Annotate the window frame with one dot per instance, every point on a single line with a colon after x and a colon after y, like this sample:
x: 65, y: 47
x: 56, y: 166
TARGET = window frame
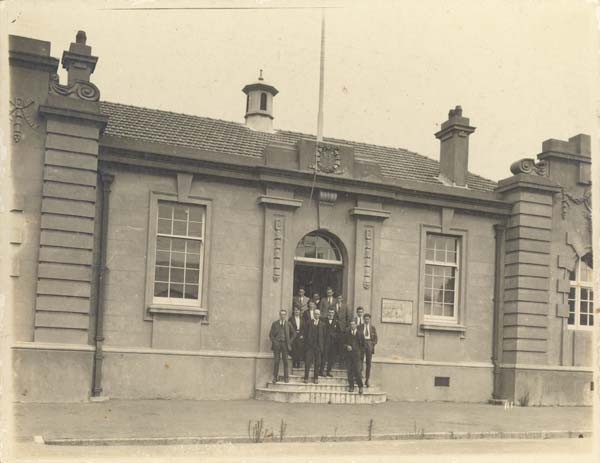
x: 436, y: 322
x: 263, y: 99
x: 316, y: 260
x: 168, y: 305
x: 578, y: 285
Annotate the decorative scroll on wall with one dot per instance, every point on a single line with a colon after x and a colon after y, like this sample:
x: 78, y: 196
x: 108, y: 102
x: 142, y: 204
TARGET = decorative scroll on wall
x: 368, y: 258
x: 277, y: 248
x: 21, y: 111
x: 529, y: 166
x: 80, y: 89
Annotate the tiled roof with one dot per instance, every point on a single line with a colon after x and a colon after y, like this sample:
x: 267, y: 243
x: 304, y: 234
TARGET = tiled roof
x: 235, y: 138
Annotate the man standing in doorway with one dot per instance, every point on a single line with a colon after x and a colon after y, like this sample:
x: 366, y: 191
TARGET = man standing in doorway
x: 314, y: 344
x: 327, y: 301
x: 281, y: 336
x: 301, y: 300
x: 309, y: 314
x: 370, y: 336
x: 354, y: 343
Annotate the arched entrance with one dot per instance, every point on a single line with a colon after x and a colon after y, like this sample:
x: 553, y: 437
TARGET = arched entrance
x: 318, y: 263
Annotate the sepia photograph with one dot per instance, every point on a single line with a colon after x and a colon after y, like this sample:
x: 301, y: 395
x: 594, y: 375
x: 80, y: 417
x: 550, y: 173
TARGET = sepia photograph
x: 299, y: 231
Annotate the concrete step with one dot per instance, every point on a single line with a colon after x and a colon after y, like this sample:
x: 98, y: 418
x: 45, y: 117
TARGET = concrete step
x: 294, y: 395
x: 299, y: 378
x: 336, y: 372
x: 311, y: 387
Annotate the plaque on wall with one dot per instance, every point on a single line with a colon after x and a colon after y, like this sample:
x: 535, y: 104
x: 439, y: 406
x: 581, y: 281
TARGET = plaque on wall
x: 396, y: 311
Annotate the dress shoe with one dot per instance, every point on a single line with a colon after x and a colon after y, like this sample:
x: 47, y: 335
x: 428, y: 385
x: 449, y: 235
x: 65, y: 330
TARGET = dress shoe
x: 367, y: 383
x: 329, y: 374
x: 316, y: 381
x: 274, y: 380
x: 351, y: 389
x: 321, y: 373
x: 305, y: 380
x: 360, y: 390
x: 286, y: 380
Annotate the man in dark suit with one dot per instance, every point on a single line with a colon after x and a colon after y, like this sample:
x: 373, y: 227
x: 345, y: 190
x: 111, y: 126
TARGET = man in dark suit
x: 301, y: 300
x: 327, y: 301
x: 297, y: 324
x: 281, y: 336
x: 332, y: 335
x: 316, y: 299
x: 370, y: 335
x: 354, y: 343
x: 309, y: 314
x: 314, y: 346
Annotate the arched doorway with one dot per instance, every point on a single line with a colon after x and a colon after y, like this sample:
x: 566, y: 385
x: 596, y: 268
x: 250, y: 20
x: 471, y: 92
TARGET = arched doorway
x: 318, y: 263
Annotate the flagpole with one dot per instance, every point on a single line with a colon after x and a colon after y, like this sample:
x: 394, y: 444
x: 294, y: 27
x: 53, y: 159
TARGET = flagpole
x: 321, y: 80
x: 320, y: 108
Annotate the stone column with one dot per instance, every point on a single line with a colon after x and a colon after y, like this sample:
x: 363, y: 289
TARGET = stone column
x: 73, y: 126
x: 526, y: 283
x: 368, y: 215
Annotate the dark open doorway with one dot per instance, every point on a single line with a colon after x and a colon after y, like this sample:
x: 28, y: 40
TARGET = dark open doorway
x: 319, y: 263
x: 316, y: 278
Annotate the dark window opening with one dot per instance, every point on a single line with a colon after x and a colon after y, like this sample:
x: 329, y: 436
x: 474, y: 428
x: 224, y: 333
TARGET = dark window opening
x: 263, y: 101
x: 441, y: 381
x: 247, y: 102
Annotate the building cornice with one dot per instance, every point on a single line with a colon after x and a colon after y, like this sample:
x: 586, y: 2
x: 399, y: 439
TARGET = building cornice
x: 129, y: 152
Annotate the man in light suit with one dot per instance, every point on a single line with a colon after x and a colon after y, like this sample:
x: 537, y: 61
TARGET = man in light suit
x: 301, y: 300
x: 327, y: 302
x: 281, y: 336
x: 370, y: 336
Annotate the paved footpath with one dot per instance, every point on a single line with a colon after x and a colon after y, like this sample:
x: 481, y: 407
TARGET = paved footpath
x: 147, y: 419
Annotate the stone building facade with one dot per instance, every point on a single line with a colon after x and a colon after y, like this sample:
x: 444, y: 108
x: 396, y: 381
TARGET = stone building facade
x: 152, y: 250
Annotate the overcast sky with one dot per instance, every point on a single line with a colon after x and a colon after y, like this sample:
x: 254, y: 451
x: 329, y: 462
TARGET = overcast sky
x: 523, y: 71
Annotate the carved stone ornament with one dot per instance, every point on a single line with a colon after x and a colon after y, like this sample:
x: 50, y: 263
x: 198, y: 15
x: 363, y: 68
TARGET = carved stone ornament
x: 368, y: 258
x: 21, y: 110
x: 79, y: 89
x: 329, y: 160
x: 277, y: 246
x: 568, y: 199
x: 529, y: 166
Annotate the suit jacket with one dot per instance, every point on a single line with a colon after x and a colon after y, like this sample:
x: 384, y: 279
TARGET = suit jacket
x: 373, y: 333
x: 342, y: 315
x: 314, y: 336
x: 357, y: 342
x: 324, y: 305
x: 306, y: 316
x: 287, y: 330
x: 358, y: 324
x: 332, y: 331
x: 297, y: 303
x: 292, y: 321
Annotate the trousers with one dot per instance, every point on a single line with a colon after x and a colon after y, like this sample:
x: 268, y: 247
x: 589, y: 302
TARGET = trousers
x: 280, y: 351
x: 312, y: 355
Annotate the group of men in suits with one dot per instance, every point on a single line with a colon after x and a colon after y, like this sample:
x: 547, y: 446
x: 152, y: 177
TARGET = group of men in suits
x: 322, y: 332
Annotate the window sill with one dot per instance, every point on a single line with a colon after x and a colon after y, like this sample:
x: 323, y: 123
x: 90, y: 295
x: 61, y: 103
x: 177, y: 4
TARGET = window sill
x: 177, y: 310
x: 443, y: 327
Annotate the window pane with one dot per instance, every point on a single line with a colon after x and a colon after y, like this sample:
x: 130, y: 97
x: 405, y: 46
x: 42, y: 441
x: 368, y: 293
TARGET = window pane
x: 196, y: 214
x: 195, y: 229
x: 430, y: 255
x: 164, y: 226
x: 161, y: 290
x: 437, y: 309
x: 191, y: 291
x: 318, y: 247
x: 583, y: 319
x: 163, y: 243
x: 177, y: 259
x: 180, y: 213
x: 179, y: 227
x: 591, y: 320
x: 451, y: 257
x: 191, y: 276
x: 448, y: 310
x: 571, y: 320
x: 176, y: 291
x: 177, y: 244
x: 449, y: 297
x: 162, y: 258
x: 427, y: 308
x: 440, y: 255
x: 165, y: 211
x: 193, y: 247
x: 176, y: 275
x: 161, y: 273
x: 193, y: 261
x: 572, y: 276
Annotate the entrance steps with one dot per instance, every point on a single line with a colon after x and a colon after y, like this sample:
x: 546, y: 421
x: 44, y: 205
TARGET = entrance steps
x: 329, y: 390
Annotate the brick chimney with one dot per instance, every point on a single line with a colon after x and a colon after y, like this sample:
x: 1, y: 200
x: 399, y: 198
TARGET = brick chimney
x: 454, y: 148
x: 259, y: 105
x: 78, y: 61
